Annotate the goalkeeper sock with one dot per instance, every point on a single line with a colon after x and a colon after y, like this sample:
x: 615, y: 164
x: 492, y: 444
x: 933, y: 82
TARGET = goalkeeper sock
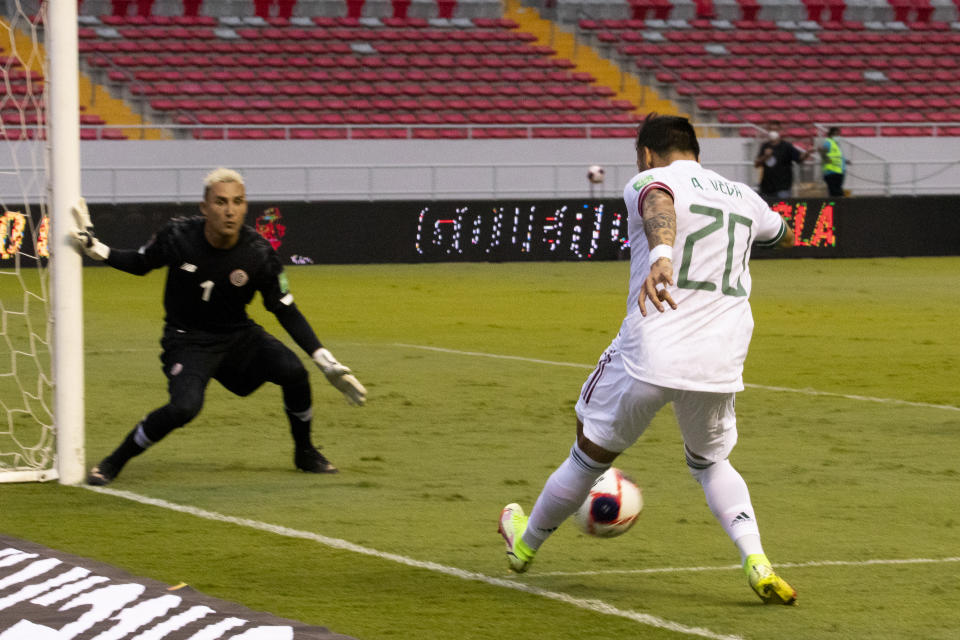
x: 300, y: 427
x: 297, y: 405
x: 134, y: 444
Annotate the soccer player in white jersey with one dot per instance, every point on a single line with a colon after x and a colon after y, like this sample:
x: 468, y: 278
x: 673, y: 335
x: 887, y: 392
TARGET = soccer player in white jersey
x: 684, y: 340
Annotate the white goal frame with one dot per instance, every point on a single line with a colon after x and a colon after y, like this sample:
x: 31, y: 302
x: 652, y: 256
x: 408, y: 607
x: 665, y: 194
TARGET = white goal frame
x: 61, y: 191
x: 66, y: 263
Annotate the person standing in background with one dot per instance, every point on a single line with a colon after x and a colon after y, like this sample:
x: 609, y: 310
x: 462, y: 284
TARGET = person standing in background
x: 834, y: 163
x: 776, y: 159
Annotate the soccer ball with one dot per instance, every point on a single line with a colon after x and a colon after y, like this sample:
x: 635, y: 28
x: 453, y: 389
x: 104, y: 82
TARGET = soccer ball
x: 595, y: 173
x: 612, y: 507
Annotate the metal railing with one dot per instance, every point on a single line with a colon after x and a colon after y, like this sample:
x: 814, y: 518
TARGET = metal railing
x: 483, y: 180
x: 133, y: 178
x: 398, y: 131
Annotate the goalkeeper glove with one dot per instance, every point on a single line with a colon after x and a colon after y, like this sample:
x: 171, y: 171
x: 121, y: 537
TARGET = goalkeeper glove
x: 340, y: 377
x: 84, y: 235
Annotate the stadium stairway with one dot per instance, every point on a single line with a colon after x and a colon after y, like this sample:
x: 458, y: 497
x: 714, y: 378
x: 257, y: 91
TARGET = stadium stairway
x: 97, y: 106
x: 586, y: 59
x: 96, y: 103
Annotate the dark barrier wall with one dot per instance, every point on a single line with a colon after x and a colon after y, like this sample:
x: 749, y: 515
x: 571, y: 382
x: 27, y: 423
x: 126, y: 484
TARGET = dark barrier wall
x: 485, y: 230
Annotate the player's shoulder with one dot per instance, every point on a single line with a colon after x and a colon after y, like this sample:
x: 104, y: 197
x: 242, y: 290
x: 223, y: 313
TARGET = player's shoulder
x: 249, y: 237
x: 644, y: 179
x: 181, y: 229
x: 183, y: 224
x: 256, y: 244
x: 740, y: 190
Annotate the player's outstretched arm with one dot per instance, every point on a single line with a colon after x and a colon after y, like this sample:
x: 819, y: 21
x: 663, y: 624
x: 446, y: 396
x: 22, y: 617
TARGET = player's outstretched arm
x: 787, y: 240
x: 340, y: 377
x: 660, y: 227
x: 131, y: 261
x: 84, y: 235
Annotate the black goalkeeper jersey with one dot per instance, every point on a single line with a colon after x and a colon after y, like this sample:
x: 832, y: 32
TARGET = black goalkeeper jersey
x: 208, y: 289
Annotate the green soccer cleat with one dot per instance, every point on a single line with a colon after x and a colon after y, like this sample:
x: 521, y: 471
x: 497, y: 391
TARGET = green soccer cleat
x: 513, y: 522
x: 771, y: 588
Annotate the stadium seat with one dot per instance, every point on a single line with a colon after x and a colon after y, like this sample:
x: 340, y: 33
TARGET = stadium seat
x: 749, y: 10
x: 112, y: 134
x: 912, y: 11
x: 656, y: 9
x: 431, y: 73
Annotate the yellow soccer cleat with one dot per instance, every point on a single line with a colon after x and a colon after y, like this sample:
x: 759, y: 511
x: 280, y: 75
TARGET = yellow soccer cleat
x: 513, y: 522
x: 771, y: 588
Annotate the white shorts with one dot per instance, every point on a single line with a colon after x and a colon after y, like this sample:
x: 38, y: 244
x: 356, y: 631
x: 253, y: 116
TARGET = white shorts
x: 616, y: 408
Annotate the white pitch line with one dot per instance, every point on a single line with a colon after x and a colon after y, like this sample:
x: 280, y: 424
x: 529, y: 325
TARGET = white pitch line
x: 481, y: 354
x: 597, y: 606
x: 814, y: 563
x: 806, y: 392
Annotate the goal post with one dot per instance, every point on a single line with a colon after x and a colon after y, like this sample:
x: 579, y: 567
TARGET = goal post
x: 66, y: 263
x: 41, y: 299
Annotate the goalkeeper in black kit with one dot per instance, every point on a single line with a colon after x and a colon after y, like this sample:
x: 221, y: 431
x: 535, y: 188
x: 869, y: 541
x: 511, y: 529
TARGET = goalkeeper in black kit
x: 215, y: 263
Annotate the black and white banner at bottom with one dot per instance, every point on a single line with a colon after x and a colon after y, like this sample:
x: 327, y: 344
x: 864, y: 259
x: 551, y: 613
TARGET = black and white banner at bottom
x: 49, y: 595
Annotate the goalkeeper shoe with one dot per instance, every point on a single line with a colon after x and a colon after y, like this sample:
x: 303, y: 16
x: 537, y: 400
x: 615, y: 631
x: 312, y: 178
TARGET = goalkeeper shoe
x: 771, y: 588
x: 102, y: 474
x: 312, y: 461
x: 513, y: 522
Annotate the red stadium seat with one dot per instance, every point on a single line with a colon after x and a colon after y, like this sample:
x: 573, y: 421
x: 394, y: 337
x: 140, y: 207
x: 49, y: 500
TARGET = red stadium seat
x: 912, y: 11
x: 749, y: 10
x: 642, y: 9
x: 493, y: 73
x: 445, y: 8
x: 112, y: 134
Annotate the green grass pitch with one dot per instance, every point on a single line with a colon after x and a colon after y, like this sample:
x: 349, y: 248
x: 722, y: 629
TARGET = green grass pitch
x: 853, y: 471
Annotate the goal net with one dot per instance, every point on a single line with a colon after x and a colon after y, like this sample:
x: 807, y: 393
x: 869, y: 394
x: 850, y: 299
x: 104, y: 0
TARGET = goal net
x: 39, y: 316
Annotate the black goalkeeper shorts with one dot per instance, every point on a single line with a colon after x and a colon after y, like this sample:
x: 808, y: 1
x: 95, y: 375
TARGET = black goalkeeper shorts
x: 241, y: 361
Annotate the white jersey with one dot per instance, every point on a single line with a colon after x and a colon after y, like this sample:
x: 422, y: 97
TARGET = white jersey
x: 700, y: 346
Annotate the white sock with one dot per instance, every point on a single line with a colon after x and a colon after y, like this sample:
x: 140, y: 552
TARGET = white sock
x: 729, y: 500
x: 562, y: 495
x: 749, y: 545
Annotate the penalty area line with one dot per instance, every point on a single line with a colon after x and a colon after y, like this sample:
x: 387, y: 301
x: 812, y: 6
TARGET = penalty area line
x: 762, y: 387
x: 596, y: 606
x: 788, y: 565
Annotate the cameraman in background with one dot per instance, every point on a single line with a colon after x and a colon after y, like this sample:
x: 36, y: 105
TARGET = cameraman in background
x: 776, y: 159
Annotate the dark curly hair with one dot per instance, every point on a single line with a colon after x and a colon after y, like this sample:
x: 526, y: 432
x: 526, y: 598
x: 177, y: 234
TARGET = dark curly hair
x: 663, y: 134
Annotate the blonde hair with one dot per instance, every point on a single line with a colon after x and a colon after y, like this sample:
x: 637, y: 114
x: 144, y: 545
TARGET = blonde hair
x: 219, y: 175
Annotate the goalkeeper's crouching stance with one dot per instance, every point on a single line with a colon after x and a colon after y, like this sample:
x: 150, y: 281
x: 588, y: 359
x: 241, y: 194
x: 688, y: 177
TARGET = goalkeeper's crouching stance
x: 215, y: 264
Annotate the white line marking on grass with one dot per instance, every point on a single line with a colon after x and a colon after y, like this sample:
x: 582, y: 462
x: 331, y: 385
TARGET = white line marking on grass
x: 806, y: 392
x: 481, y: 354
x: 597, y: 606
x: 814, y: 563
x: 850, y: 396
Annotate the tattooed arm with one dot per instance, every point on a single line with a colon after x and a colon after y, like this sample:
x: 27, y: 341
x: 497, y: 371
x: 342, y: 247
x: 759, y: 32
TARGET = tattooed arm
x: 660, y: 227
x: 659, y: 218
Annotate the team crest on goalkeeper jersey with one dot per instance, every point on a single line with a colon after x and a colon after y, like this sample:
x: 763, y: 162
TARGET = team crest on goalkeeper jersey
x: 239, y: 277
